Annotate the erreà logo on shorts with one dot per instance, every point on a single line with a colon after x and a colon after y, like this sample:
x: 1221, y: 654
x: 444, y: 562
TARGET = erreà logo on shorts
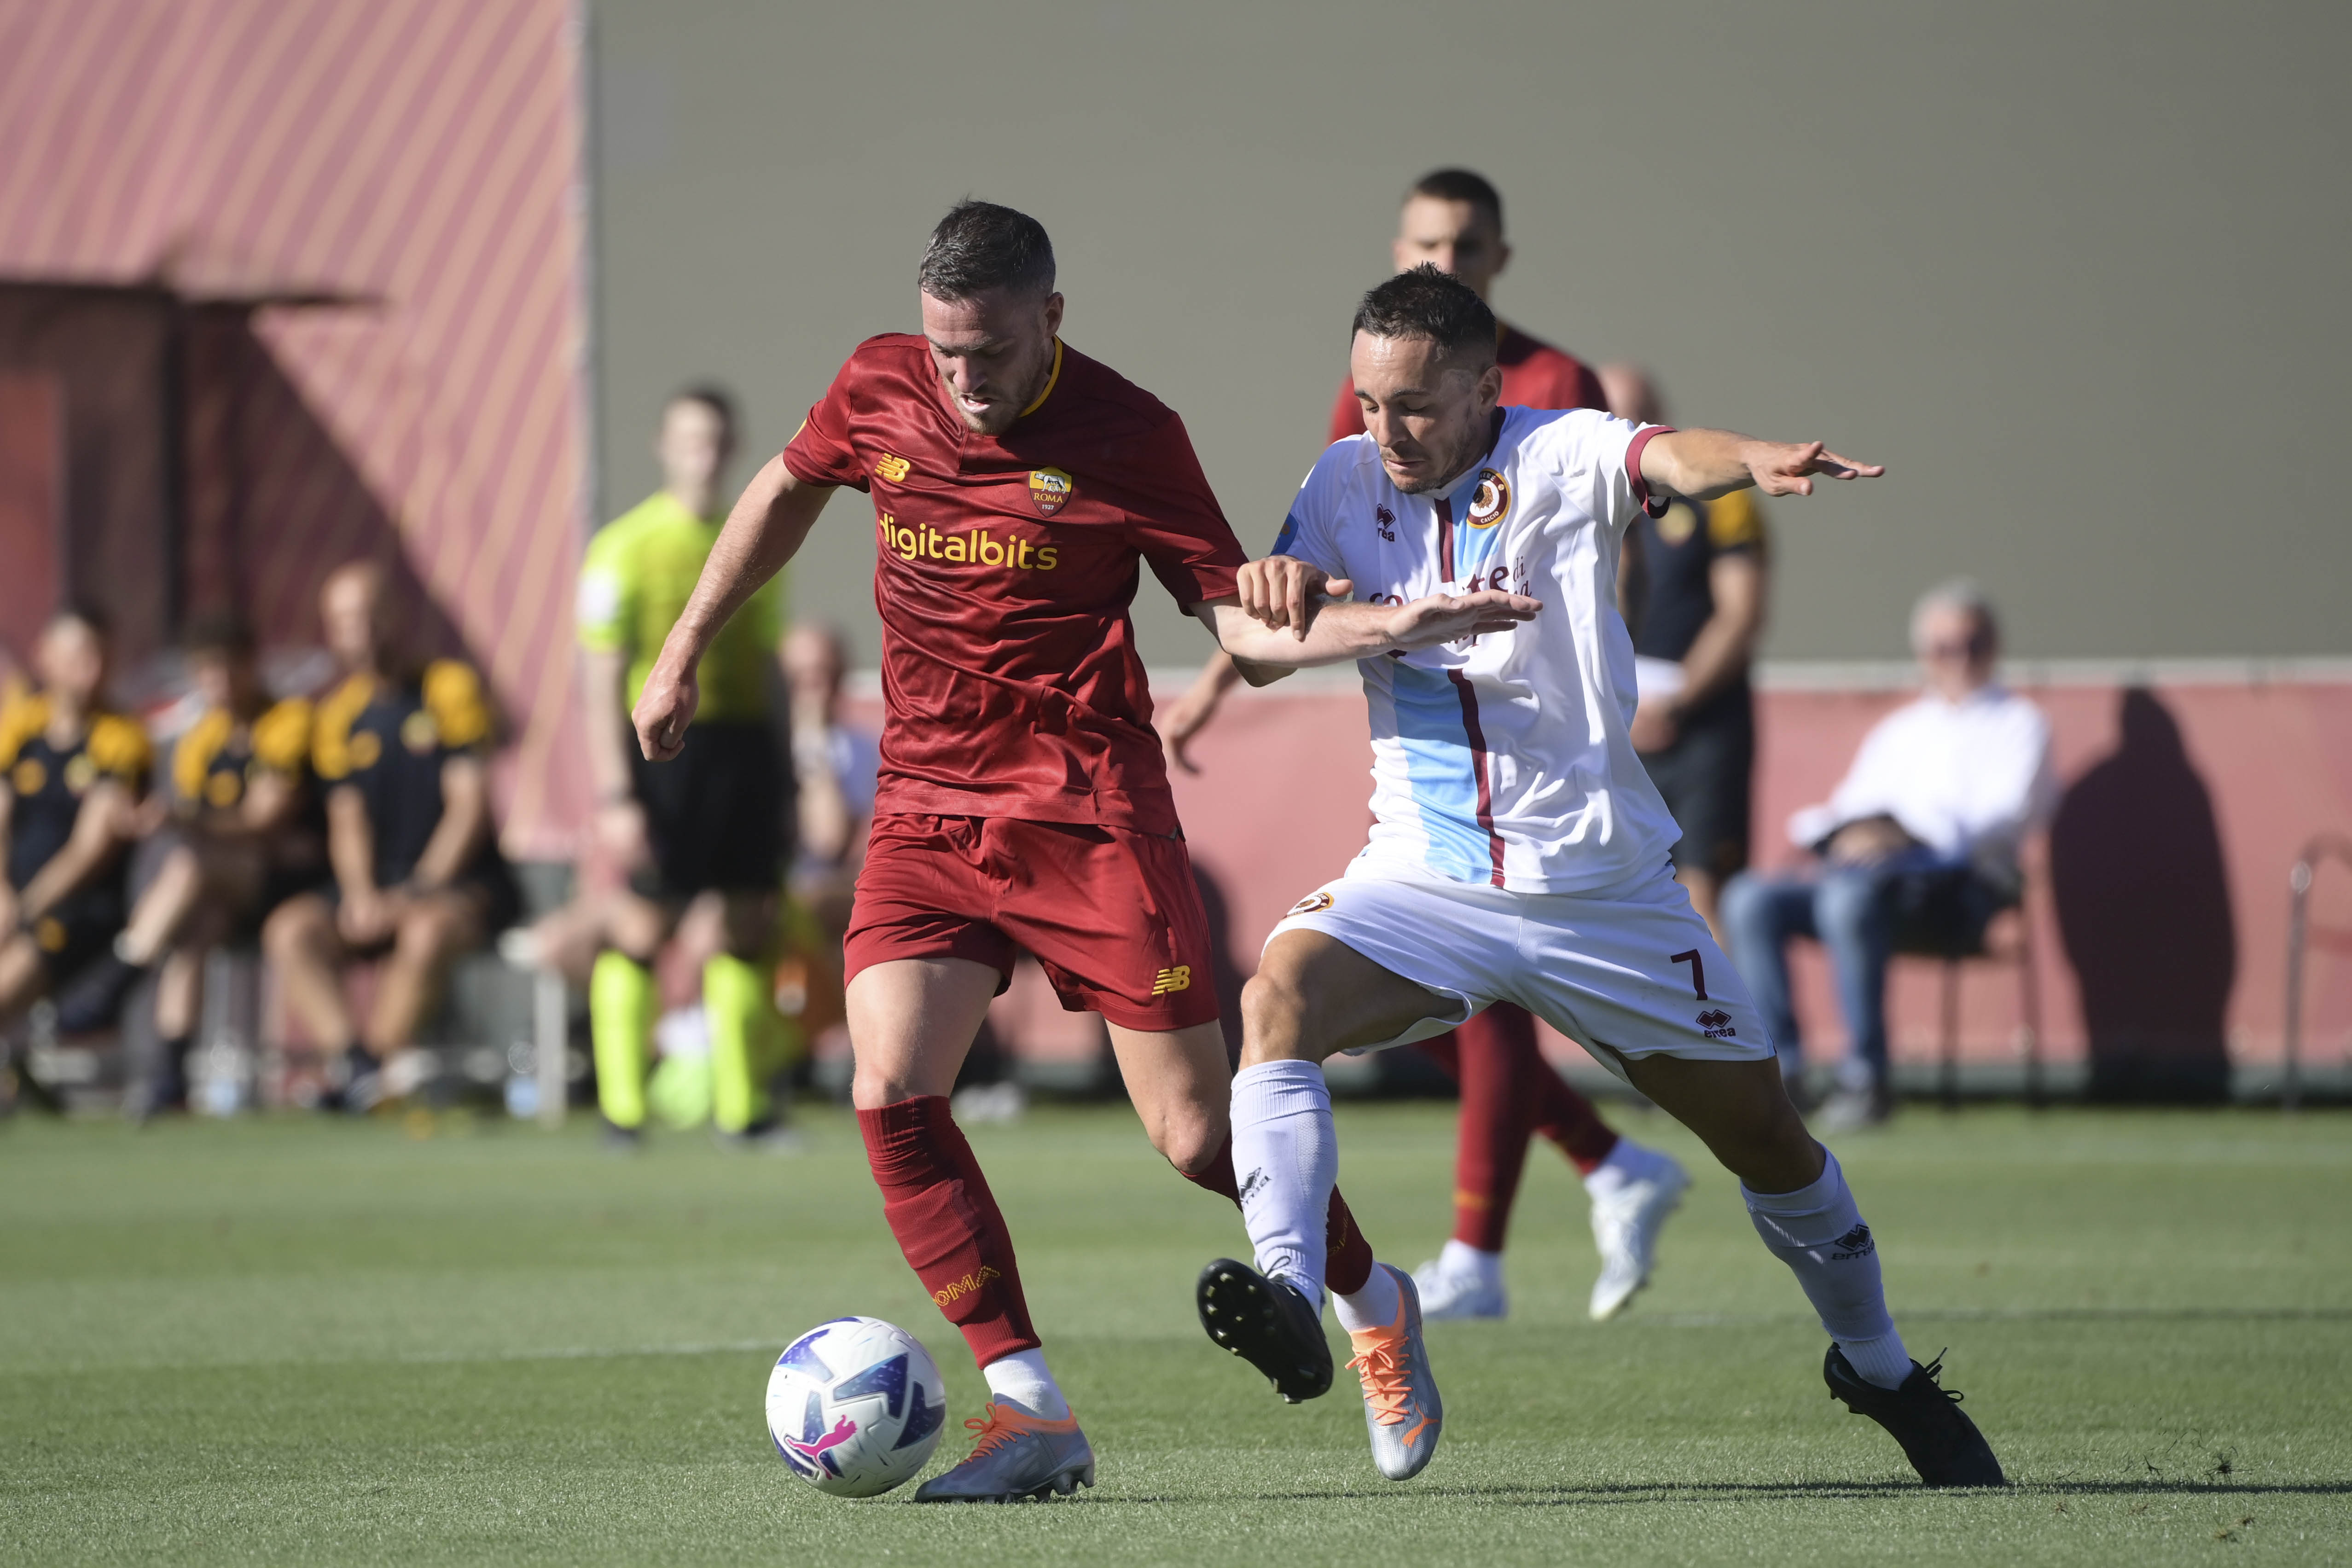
x: 967, y: 547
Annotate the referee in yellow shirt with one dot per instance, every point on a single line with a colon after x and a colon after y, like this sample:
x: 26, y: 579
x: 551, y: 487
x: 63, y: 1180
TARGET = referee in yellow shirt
x: 696, y: 847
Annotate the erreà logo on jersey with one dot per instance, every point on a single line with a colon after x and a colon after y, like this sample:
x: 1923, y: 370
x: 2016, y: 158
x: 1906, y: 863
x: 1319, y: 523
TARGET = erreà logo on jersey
x: 1051, y: 489
x: 969, y: 547
x: 1491, y: 501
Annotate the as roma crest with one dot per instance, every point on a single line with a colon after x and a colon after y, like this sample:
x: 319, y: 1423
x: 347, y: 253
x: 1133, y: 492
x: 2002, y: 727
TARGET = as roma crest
x: 1491, y: 501
x: 1051, y: 489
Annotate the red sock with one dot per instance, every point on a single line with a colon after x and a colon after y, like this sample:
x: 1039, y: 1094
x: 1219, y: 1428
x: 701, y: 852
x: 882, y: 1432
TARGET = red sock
x: 1564, y: 1116
x: 948, y: 1224
x: 1347, y: 1260
x: 1508, y: 1094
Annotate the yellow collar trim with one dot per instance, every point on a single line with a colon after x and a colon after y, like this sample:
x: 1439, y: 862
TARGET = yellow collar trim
x: 1039, y: 401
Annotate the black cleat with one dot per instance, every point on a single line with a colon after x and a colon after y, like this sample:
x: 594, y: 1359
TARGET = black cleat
x: 1269, y: 1324
x: 1942, y: 1444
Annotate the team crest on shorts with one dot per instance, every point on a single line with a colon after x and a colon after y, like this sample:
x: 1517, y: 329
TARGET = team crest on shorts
x: 1491, y: 501
x: 1051, y: 489
x: 1311, y: 904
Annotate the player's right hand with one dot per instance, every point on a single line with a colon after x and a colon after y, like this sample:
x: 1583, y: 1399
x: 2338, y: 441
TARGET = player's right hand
x: 1450, y: 617
x: 665, y: 708
x: 1281, y: 590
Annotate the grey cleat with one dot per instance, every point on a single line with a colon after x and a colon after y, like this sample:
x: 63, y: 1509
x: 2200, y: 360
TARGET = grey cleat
x: 1402, y: 1409
x: 1018, y: 1456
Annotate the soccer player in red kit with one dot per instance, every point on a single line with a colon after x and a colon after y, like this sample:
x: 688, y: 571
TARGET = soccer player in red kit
x: 1453, y: 219
x: 1017, y: 486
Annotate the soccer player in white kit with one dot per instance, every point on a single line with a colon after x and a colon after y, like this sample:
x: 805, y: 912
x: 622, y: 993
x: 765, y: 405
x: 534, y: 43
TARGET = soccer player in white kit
x: 1518, y: 853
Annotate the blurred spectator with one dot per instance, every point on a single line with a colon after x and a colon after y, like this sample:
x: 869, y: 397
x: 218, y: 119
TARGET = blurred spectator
x: 71, y: 774
x: 1917, y: 846
x: 1695, y: 588
x: 417, y: 877
x: 834, y: 762
x: 693, y: 849
x: 244, y: 834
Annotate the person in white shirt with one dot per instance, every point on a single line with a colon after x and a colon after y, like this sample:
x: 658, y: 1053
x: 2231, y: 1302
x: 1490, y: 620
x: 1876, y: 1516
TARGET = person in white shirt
x: 1916, y: 849
x: 1518, y: 853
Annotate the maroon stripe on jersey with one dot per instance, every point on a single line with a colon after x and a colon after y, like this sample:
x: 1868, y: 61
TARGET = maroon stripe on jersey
x: 1655, y: 505
x: 1445, y: 542
x: 1462, y: 689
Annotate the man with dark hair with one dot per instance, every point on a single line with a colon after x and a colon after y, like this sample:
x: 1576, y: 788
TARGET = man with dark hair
x: 696, y: 849
x: 417, y: 877
x: 1017, y: 486
x: 1518, y: 849
x: 244, y: 835
x: 1451, y: 220
x: 71, y: 772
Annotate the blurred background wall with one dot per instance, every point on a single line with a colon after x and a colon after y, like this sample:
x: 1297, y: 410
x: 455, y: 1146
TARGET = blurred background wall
x: 2073, y: 271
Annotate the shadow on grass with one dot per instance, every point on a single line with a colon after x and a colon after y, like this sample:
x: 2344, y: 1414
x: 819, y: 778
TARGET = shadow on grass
x: 1613, y: 1494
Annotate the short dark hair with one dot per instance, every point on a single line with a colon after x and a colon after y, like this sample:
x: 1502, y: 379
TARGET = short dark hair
x: 979, y: 246
x: 711, y: 395
x: 1461, y: 186
x: 1426, y: 303
x: 84, y: 614
x: 221, y: 632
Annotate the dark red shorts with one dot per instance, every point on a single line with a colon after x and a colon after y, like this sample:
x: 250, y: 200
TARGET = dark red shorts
x: 1112, y: 916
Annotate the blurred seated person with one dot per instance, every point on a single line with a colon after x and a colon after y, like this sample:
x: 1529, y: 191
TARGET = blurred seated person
x: 1692, y: 590
x: 242, y: 836
x: 71, y: 774
x: 835, y: 762
x: 693, y: 850
x: 1917, y: 846
x: 417, y: 877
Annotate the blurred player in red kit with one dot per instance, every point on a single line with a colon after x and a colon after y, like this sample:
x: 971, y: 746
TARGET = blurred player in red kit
x: 1453, y: 219
x: 1017, y: 486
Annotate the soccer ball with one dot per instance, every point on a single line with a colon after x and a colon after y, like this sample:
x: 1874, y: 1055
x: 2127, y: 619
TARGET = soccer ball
x: 855, y: 1407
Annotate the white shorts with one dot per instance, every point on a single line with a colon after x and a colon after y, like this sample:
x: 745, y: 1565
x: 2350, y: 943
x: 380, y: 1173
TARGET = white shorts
x: 1628, y: 970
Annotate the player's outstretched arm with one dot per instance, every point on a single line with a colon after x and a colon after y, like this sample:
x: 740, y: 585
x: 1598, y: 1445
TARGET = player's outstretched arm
x: 1337, y: 633
x: 1704, y: 464
x: 771, y: 518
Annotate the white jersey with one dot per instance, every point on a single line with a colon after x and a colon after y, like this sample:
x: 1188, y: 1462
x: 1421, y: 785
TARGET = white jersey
x: 1504, y: 759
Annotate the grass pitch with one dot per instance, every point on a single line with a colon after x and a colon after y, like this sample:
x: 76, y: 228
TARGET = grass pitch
x: 291, y: 1342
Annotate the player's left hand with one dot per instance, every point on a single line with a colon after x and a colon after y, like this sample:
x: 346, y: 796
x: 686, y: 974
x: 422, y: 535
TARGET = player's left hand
x: 1281, y: 591
x: 1784, y: 468
x: 1654, y: 727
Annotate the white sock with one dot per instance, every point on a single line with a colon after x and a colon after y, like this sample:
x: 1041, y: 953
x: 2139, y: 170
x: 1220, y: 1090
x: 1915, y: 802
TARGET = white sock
x: 1626, y: 1164
x: 1818, y: 1233
x: 1373, y: 1306
x: 1464, y: 1261
x: 1287, y: 1160
x: 1022, y: 1378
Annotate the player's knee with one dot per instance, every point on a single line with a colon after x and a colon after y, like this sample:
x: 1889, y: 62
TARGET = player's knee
x: 1189, y: 1140
x: 291, y: 927
x: 1274, y: 1014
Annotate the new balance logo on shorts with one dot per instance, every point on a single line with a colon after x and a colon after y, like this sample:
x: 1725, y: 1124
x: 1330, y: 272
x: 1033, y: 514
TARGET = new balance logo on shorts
x: 1856, y: 1243
x: 1716, y: 1022
x: 1177, y: 979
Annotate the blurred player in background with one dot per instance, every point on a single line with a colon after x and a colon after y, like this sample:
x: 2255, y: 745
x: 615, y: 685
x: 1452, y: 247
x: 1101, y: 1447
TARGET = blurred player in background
x: 71, y: 775
x: 697, y: 847
x: 1453, y: 220
x: 1520, y: 849
x: 244, y: 835
x: 417, y: 876
x: 1017, y: 486
x: 1694, y: 590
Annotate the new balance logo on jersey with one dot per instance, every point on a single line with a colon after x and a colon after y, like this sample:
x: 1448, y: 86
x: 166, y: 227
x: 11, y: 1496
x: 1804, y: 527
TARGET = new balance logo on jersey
x: 972, y: 547
x: 956, y: 1290
x: 891, y: 466
x: 1177, y: 979
x: 1716, y: 1023
x: 1856, y: 1243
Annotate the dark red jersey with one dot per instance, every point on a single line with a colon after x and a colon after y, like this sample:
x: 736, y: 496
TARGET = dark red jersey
x: 1534, y: 376
x: 1005, y: 567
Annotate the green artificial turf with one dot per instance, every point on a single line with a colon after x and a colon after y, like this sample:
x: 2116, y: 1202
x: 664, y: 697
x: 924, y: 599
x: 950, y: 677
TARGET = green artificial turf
x: 288, y: 1340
